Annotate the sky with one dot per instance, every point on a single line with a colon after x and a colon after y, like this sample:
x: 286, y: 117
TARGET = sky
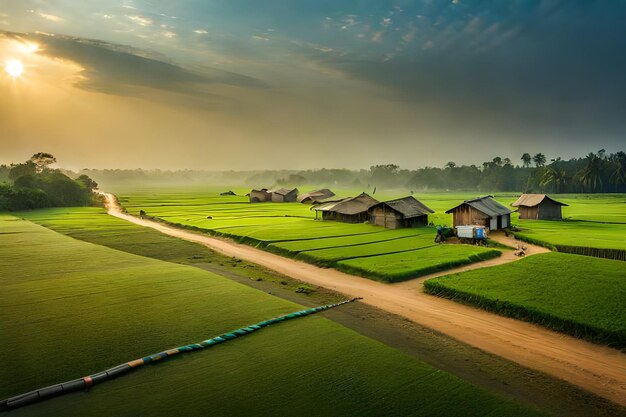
x: 268, y: 84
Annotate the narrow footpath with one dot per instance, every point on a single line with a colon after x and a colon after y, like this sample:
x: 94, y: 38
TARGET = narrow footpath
x: 594, y: 368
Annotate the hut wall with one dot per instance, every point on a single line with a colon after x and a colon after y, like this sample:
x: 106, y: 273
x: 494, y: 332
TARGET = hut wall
x: 277, y: 198
x: 259, y: 196
x: 549, y: 210
x: 291, y: 197
x: 506, y: 220
x: 529, y: 213
x: 385, y: 217
x: 465, y: 215
x: 346, y: 218
x: 416, y: 221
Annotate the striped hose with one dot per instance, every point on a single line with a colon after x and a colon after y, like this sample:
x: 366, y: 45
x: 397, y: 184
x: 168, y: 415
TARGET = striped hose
x: 87, y: 382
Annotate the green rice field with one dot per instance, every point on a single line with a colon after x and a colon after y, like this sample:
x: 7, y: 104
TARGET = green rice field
x: 70, y: 308
x: 290, y: 229
x: 575, y: 294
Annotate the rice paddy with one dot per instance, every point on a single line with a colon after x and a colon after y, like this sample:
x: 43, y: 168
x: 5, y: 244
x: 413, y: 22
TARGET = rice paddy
x: 575, y: 294
x: 290, y: 229
x: 70, y: 308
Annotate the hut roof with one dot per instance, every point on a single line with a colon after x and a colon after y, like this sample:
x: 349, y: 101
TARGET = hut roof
x: 351, y: 205
x: 486, y: 205
x: 532, y: 200
x: 409, y: 207
x: 283, y: 191
x: 317, y: 195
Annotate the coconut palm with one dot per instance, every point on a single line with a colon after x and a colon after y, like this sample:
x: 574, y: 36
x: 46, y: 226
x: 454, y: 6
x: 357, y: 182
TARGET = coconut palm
x: 539, y: 160
x: 591, y: 174
x: 618, y: 174
x: 554, y: 177
x: 526, y: 160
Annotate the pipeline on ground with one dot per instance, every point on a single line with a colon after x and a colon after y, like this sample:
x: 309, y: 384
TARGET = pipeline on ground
x: 87, y: 382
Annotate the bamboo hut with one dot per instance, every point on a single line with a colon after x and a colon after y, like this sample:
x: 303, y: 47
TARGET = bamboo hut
x: 538, y: 207
x: 316, y: 196
x: 482, y: 211
x: 403, y: 212
x: 284, y: 195
x: 260, y: 196
x: 347, y: 210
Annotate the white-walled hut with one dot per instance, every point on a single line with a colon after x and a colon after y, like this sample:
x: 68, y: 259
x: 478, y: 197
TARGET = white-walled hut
x: 538, y: 207
x: 260, y: 196
x: 284, y: 195
x: 402, y: 212
x: 347, y: 210
x: 482, y: 211
x: 316, y: 196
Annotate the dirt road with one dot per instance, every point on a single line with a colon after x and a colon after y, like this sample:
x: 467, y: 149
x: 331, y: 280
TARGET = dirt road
x: 597, y: 369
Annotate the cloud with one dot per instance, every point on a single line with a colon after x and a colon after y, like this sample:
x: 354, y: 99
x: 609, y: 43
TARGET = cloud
x: 47, y: 16
x: 140, y: 20
x: 348, y: 21
x: 122, y: 70
x: 377, y: 36
x: 200, y: 31
x: 169, y: 35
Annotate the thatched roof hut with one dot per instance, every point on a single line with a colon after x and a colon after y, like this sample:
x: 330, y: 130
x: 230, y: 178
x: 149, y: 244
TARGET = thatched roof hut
x: 284, y: 195
x: 402, y: 212
x: 316, y: 196
x: 483, y: 211
x: 260, y: 196
x: 348, y: 210
x: 538, y: 207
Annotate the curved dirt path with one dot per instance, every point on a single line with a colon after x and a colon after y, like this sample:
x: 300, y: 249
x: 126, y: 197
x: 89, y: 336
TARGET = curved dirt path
x: 597, y: 369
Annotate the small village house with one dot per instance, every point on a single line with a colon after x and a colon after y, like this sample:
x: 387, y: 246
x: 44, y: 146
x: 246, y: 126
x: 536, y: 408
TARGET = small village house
x: 482, y: 211
x: 316, y: 196
x: 402, y: 212
x: 284, y: 195
x: 260, y: 196
x: 538, y: 207
x: 348, y: 210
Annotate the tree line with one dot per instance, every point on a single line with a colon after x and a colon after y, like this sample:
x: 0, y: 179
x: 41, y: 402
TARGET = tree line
x: 33, y: 184
x: 597, y: 172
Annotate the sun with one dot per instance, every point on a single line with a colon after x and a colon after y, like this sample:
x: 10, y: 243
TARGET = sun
x: 14, y: 68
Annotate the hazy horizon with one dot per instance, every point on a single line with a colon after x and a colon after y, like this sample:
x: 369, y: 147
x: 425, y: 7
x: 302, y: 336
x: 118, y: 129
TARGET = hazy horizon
x: 237, y: 85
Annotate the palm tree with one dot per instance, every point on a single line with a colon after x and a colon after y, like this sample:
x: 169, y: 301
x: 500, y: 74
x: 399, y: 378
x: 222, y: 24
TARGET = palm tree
x: 526, y: 160
x: 618, y: 176
x: 554, y: 177
x: 590, y: 176
x: 539, y: 160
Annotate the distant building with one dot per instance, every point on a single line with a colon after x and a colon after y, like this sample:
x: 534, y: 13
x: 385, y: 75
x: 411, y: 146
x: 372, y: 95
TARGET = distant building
x: 538, y: 207
x: 278, y: 195
x: 260, y: 196
x: 316, y: 196
x: 348, y: 210
x: 483, y: 211
x: 284, y: 195
x: 403, y: 212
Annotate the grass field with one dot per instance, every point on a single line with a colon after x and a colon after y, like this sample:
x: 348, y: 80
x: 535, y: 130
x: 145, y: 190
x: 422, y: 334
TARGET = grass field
x: 290, y: 229
x: 579, y: 295
x: 70, y: 308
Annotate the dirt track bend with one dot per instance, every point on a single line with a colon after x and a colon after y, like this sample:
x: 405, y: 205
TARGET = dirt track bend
x: 597, y: 369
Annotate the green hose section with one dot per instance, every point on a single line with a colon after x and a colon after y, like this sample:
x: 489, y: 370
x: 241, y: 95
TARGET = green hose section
x: 87, y: 382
